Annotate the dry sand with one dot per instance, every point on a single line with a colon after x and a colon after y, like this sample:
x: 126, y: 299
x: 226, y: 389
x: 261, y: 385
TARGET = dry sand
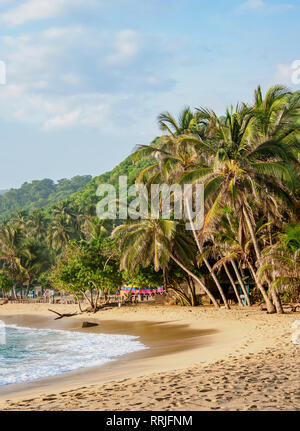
x: 198, y: 359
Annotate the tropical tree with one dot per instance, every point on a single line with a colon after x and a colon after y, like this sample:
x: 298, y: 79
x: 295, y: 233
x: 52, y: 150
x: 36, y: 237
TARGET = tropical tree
x: 156, y: 241
x: 84, y: 270
x: 175, y: 127
x: 281, y: 261
x: 59, y: 232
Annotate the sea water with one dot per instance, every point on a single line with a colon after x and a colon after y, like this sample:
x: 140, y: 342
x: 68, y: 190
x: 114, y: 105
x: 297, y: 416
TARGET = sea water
x: 28, y: 354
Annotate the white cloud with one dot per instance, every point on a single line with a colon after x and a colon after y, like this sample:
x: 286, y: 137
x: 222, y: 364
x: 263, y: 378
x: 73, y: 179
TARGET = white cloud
x: 262, y: 6
x: 126, y: 46
x: 49, y: 86
x: 68, y: 119
x: 283, y: 74
x: 252, y: 4
x: 31, y: 10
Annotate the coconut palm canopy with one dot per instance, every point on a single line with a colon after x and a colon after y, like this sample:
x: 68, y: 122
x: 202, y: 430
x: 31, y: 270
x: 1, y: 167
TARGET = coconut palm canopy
x: 248, y: 162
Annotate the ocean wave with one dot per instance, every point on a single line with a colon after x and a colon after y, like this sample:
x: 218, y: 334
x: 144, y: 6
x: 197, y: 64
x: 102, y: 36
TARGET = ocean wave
x: 29, y: 353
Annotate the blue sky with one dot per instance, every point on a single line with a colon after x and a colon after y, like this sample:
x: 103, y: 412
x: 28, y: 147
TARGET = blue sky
x: 86, y: 79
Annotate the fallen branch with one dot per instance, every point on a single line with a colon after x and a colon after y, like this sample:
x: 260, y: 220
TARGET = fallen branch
x: 60, y: 316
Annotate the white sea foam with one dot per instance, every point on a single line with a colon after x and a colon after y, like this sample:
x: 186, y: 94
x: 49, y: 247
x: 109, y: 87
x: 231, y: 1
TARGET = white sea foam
x: 31, y: 354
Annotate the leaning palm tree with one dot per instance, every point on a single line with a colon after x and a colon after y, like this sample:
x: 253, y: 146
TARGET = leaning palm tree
x: 230, y: 244
x: 240, y: 159
x: 174, y: 157
x: 282, y: 260
x: 242, y: 173
x: 155, y: 241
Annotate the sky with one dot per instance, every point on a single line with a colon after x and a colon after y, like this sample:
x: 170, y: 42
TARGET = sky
x: 86, y: 79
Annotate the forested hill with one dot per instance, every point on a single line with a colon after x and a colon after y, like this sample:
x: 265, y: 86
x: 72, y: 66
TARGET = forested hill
x: 39, y: 194
x: 87, y: 199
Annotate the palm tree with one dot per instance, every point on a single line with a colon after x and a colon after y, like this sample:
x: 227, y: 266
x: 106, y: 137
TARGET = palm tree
x: 37, y: 224
x: 59, y: 232
x: 175, y: 127
x: 173, y: 161
x: 11, y: 250
x: 282, y: 261
x: 242, y: 159
x: 155, y: 241
x: 241, y: 173
x: 36, y: 260
x: 20, y: 219
x: 92, y: 228
x: 229, y: 244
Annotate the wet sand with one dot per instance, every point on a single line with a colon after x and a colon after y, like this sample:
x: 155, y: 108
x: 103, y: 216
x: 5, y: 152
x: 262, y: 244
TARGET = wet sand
x: 198, y: 359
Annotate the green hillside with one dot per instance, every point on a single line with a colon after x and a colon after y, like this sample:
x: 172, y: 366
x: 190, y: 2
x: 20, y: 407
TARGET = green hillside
x: 87, y: 199
x: 39, y: 194
x: 80, y: 190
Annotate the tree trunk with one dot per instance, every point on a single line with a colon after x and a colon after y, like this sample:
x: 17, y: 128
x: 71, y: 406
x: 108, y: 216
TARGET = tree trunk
x: 183, y: 298
x: 165, y: 274
x: 220, y: 289
x: 206, y: 261
x: 238, y: 275
x: 194, y: 292
x: 190, y: 290
x: 270, y: 306
x: 15, y: 292
x: 274, y: 295
x: 92, y: 299
x: 252, y: 232
x: 96, y: 301
x: 276, y: 301
x: 232, y: 284
x: 210, y: 295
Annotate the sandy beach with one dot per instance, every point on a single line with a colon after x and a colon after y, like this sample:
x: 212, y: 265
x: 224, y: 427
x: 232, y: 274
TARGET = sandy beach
x: 197, y: 359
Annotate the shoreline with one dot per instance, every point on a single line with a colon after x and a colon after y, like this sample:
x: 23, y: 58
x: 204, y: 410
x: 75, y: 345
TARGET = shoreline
x: 178, y: 348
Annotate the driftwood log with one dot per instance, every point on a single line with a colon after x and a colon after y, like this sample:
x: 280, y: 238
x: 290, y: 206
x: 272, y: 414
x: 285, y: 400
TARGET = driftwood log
x: 60, y: 316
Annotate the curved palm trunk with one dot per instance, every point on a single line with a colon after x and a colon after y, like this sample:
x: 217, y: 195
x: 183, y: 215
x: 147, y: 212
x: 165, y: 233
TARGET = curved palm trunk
x: 192, y: 291
x: 232, y: 284
x: 197, y: 279
x: 183, y: 298
x: 252, y: 233
x: 277, y: 302
x: 274, y: 294
x: 270, y: 306
x: 15, y: 292
x: 217, y: 283
x: 221, y: 291
x: 238, y: 275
